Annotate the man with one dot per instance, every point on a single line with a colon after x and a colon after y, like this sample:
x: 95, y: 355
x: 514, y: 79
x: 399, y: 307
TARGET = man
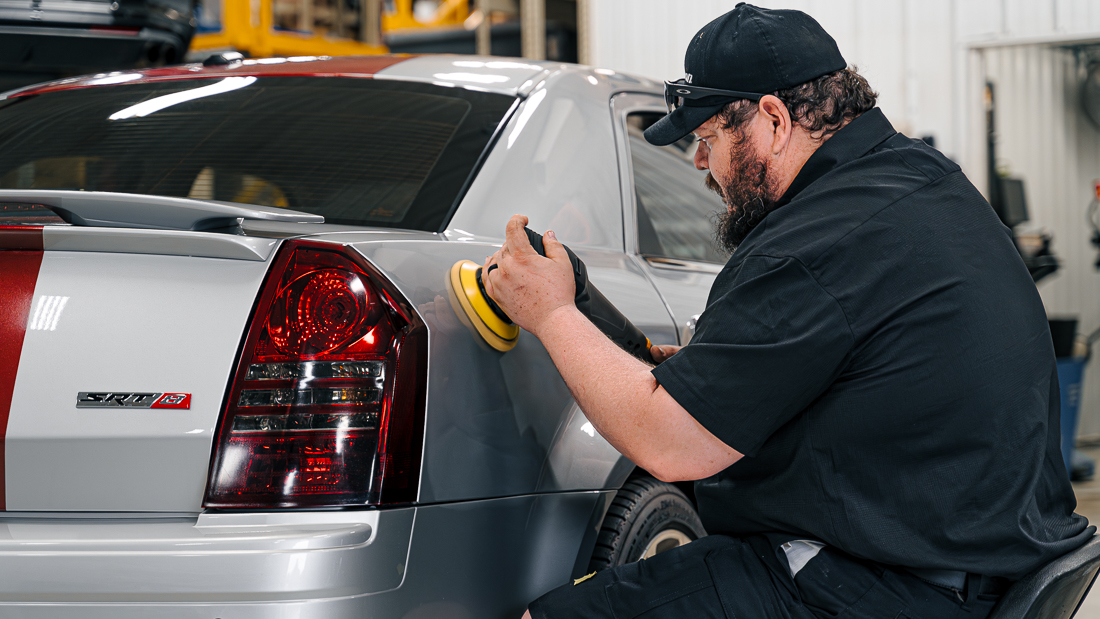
x: 870, y: 401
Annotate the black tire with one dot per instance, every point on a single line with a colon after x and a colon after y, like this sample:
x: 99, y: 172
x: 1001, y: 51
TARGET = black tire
x: 643, y: 512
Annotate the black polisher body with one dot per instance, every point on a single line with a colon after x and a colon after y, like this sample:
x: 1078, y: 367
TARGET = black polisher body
x: 591, y: 302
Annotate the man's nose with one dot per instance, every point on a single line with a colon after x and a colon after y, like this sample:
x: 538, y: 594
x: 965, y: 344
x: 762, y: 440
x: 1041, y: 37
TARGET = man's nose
x: 701, y: 156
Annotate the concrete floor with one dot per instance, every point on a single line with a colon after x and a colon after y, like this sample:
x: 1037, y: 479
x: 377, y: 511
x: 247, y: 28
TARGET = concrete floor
x: 1088, y: 505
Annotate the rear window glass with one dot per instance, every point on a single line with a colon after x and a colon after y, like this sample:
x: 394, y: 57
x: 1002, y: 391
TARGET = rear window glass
x: 357, y: 151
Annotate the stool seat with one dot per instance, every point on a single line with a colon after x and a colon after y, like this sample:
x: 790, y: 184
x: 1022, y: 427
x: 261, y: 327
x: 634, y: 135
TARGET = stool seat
x: 1054, y: 591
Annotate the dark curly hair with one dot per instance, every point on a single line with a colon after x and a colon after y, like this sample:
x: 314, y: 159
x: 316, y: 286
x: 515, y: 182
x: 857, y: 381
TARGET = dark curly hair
x: 821, y: 106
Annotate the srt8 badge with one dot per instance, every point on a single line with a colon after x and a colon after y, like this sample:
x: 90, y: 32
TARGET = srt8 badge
x: 130, y: 399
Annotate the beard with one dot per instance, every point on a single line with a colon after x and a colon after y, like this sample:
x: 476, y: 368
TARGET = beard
x: 747, y: 193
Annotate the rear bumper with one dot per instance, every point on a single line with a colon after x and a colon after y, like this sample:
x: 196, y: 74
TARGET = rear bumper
x: 477, y: 559
x: 214, y: 558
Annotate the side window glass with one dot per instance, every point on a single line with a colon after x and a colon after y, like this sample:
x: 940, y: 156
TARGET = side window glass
x: 676, y: 211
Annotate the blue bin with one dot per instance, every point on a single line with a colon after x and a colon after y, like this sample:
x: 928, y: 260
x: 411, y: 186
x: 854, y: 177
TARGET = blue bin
x: 1071, y: 372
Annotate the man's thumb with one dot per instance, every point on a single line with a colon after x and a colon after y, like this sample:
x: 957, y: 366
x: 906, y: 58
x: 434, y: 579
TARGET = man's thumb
x: 554, y: 249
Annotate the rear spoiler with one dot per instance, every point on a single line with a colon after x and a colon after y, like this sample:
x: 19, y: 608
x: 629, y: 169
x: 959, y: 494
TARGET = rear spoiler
x: 125, y: 210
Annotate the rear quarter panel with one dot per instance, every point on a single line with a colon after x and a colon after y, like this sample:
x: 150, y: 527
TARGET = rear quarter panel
x: 556, y: 162
x: 501, y: 424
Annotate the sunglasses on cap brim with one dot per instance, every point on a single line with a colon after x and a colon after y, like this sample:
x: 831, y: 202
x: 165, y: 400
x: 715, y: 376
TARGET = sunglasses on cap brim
x: 676, y: 93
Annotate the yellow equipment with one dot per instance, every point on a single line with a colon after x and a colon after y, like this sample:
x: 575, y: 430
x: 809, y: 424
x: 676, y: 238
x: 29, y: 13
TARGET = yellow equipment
x: 448, y: 13
x: 262, y: 28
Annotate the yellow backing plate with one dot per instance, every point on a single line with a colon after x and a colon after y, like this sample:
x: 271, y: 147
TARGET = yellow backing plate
x: 497, y: 333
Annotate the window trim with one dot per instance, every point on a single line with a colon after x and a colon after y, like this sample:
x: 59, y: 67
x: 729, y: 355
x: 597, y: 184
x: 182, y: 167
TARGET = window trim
x: 678, y: 264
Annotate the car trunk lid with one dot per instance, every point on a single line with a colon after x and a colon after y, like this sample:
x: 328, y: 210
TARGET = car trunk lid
x: 116, y: 314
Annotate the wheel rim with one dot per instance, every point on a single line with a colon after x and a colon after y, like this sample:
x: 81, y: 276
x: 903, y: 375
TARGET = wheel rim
x: 665, y: 540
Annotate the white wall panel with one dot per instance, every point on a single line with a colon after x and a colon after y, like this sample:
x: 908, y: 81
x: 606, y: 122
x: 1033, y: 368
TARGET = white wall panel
x: 903, y: 47
x: 978, y: 18
x: 878, y: 49
x: 1074, y: 16
x: 1030, y: 18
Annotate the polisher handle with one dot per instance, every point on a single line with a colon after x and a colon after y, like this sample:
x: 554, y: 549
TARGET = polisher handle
x: 591, y: 302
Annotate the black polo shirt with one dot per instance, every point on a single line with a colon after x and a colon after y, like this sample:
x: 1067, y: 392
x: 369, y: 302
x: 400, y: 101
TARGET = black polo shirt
x: 879, y: 353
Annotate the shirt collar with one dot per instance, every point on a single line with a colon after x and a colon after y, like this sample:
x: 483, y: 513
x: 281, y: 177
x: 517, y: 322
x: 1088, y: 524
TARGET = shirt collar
x: 856, y: 139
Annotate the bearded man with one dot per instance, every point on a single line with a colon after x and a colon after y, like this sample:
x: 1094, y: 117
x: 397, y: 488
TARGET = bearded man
x: 870, y: 402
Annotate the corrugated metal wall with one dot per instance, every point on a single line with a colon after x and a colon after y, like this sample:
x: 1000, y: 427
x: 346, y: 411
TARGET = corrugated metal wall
x: 1045, y: 139
x: 929, y: 60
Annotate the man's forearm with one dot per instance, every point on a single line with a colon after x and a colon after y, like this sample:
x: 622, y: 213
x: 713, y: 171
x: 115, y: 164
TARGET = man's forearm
x: 622, y: 399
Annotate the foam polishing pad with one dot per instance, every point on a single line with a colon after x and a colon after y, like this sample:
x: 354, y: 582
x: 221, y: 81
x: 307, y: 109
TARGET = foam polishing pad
x: 496, y: 332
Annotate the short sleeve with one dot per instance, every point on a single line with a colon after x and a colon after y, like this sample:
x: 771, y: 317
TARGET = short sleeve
x: 770, y: 342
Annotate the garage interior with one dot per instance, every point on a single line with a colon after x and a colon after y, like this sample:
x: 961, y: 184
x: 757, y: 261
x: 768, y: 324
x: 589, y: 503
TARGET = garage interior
x: 1008, y: 89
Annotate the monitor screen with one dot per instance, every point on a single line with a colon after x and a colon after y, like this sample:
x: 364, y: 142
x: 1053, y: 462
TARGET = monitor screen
x: 1013, y: 204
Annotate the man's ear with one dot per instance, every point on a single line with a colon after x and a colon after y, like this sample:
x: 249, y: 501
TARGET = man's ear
x: 779, y: 121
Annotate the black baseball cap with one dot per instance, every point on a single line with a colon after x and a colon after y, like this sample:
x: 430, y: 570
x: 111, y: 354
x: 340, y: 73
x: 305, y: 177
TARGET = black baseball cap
x: 744, y: 54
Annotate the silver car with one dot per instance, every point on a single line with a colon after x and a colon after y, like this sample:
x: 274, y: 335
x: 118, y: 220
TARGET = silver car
x: 233, y: 380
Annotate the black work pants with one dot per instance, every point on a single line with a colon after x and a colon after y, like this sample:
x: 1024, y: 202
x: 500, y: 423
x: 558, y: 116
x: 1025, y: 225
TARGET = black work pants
x: 720, y: 577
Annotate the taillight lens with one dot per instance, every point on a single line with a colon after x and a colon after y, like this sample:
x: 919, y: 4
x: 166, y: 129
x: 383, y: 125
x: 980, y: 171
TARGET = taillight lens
x: 327, y: 404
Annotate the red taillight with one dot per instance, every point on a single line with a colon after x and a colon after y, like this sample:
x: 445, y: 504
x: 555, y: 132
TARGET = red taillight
x: 327, y: 404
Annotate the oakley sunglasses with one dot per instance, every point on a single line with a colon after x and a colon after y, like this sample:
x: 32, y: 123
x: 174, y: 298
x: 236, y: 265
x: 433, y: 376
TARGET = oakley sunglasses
x: 679, y: 91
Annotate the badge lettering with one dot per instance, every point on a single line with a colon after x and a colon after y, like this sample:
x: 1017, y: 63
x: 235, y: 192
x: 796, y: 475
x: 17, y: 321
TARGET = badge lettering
x: 131, y: 399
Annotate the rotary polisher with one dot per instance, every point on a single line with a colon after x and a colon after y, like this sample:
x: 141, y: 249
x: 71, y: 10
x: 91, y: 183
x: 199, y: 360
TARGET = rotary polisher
x: 501, y: 333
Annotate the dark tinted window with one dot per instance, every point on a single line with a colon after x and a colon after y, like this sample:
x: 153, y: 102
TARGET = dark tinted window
x: 675, y: 209
x: 357, y: 151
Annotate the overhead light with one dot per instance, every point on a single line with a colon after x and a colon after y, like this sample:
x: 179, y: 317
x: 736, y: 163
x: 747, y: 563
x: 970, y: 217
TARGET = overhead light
x: 157, y: 104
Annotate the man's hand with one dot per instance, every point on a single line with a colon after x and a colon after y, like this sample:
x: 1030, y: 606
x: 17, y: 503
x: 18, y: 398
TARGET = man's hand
x: 663, y: 352
x: 527, y: 286
x: 617, y: 392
